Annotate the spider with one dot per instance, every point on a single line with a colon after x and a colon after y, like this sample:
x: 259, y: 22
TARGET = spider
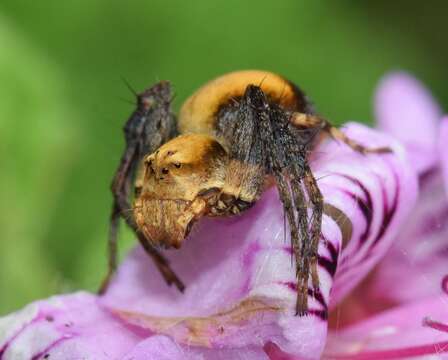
x: 236, y: 136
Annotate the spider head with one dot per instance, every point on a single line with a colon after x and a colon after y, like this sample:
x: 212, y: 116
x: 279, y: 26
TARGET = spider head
x: 179, y: 182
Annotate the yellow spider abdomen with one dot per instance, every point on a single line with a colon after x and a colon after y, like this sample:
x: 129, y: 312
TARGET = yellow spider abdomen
x: 198, y: 113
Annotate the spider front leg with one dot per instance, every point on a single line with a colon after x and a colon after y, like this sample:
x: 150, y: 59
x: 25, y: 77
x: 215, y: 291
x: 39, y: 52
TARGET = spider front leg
x: 258, y: 132
x: 293, y: 198
x: 316, y: 199
x: 151, y: 124
x: 315, y: 122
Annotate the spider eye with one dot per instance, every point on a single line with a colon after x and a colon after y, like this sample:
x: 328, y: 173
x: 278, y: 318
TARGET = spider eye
x: 177, y: 165
x: 165, y: 171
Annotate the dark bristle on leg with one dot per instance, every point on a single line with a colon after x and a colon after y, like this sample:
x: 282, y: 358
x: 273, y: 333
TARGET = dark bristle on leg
x: 150, y: 125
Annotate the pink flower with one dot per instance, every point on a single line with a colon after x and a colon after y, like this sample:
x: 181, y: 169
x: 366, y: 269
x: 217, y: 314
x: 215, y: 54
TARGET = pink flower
x: 239, y: 302
x: 411, y: 282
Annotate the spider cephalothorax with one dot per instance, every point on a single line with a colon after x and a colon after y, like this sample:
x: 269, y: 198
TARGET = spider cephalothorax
x: 180, y: 182
x: 236, y: 136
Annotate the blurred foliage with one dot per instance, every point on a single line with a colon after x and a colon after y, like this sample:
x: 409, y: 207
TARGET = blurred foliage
x: 63, y: 103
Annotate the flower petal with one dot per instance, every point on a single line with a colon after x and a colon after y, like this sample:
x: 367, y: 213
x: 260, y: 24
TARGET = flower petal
x: 377, y: 193
x: 240, y: 287
x: 416, y: 329
x: 64, y: 327
x: 75, y: 327
x: 443, y: 150
x: 160, y: 347
x: 238, y: 271
x: 405, y: 109
x: 420, y: 252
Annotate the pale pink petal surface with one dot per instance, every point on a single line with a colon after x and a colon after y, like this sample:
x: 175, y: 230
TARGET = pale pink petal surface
x: 161, y: 347
x: 158, y: 348
x: 405, y: 109
x: 240, y: 280
x: 405, y: 332
x: 443, y: 151
x: 67, y: 327
x: 417, y: 262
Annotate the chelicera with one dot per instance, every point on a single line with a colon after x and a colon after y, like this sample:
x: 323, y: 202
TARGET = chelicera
x: 234, y: 137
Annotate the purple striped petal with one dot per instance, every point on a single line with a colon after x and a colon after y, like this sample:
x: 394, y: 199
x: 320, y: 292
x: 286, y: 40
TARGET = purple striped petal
x: 443, y: 150
x: 419, y: 255
x: 405, y: 109
x: 238, y: 271
x: 412, y: 331
x: 377, y: 194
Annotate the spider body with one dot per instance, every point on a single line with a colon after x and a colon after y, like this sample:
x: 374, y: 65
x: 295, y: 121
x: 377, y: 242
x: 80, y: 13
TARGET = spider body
x: 204, y: 176
x: 236, y: 136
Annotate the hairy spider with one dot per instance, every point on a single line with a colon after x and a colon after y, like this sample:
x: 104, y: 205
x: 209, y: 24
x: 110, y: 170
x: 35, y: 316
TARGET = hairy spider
x: 235, y: 136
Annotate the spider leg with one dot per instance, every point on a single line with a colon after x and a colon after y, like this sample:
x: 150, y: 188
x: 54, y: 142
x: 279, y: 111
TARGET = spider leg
x: 311, y: 121
x: 150, y: 125
x: 259, y: 133
x: 120, y: 191
x: 111, y: 249
x: 317, y: 201
x: 301, y: 254
x: 296, y: 163
x: 293, y: 151
x: 302, y: 273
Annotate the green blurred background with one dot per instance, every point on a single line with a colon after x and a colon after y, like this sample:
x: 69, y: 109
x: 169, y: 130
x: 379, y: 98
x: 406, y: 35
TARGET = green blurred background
x: 63, y: 102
